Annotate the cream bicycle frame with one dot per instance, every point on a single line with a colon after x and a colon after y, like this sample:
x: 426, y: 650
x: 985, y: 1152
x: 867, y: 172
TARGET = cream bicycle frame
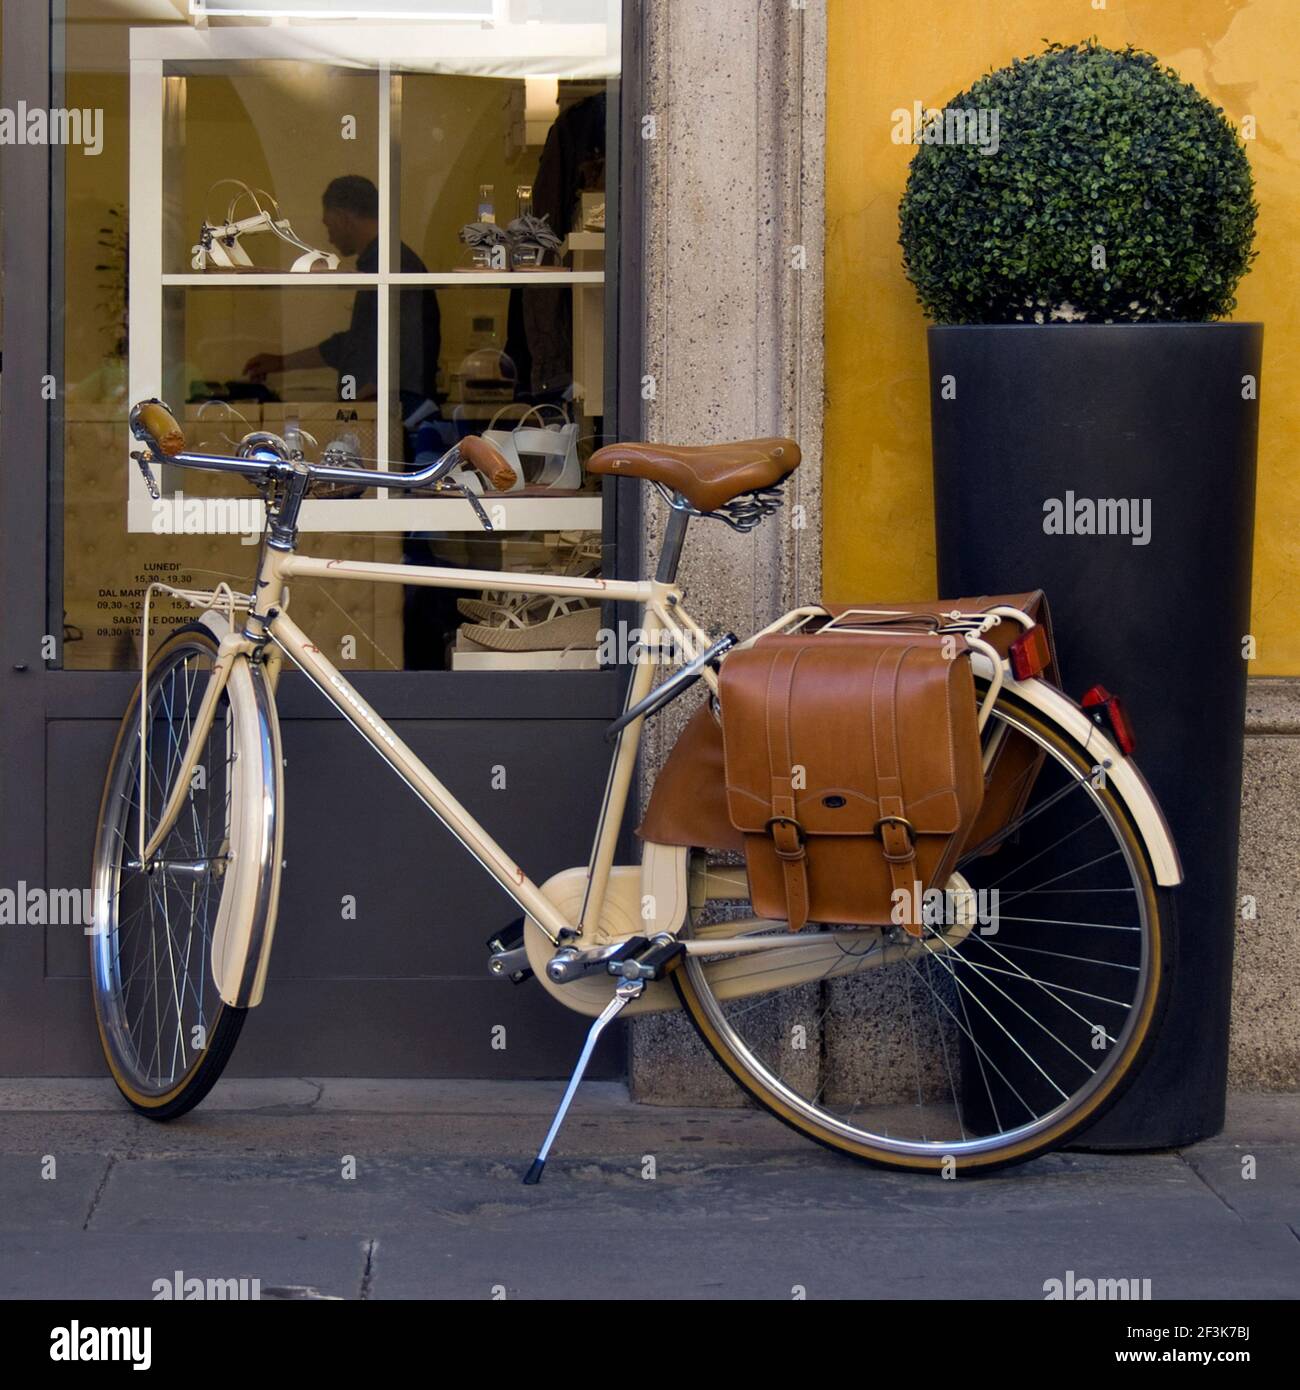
x: 655, y: 599
x: 663, y: 614
x: 268, y: 619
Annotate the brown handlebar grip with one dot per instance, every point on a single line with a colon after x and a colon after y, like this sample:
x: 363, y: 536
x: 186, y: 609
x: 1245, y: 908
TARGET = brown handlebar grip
x: 489, y: 460
x: 162, y: 427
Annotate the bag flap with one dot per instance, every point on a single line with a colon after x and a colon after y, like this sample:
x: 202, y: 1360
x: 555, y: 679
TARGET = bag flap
x: 815, y: 718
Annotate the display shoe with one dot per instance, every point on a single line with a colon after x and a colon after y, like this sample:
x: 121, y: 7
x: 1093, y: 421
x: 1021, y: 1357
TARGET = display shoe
x: 579, y: 629
x: 530, y: 608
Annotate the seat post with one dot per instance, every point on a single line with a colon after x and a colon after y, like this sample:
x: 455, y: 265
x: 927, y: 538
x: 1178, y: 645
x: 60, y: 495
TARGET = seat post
x: 670, y: 555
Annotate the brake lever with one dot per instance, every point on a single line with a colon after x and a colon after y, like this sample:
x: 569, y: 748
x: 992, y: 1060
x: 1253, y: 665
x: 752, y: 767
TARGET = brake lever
x: 471, y: 498
x: 150, y: 481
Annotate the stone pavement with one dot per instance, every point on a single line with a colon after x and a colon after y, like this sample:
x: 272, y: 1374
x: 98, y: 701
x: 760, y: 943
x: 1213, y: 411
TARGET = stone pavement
x: 252, y: 1185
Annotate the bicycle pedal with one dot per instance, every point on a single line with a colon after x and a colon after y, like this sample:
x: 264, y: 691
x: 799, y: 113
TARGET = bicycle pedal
x: 652, y: 960
x: 507, y: 957
x: 509, y: 938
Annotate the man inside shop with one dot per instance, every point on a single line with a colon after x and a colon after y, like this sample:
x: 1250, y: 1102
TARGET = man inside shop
x: 350, y: 212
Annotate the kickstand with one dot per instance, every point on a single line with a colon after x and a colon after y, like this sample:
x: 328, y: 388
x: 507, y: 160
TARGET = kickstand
x: 627, y: 991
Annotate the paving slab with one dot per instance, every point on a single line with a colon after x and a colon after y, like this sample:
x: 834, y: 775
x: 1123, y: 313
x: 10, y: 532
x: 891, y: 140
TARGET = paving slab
x: 638, y: 1201
x: 87, y: 1265
x: 391, y: 1194
x: 1254, y: 1180
x: 824, y: 1256
x: 49, y: 1191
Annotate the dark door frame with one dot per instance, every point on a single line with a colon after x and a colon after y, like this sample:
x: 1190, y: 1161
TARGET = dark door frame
x: 25, y: 680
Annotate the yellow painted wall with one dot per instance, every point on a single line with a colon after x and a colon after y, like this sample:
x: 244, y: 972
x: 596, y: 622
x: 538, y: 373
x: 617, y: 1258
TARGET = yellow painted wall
x: 1243, y: 54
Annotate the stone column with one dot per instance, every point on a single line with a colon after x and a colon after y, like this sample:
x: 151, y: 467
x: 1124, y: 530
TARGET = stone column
x: 1264, y: 1053
x: 733, y: 337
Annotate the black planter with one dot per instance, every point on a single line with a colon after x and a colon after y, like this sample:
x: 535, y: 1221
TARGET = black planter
x: 1151, y: 412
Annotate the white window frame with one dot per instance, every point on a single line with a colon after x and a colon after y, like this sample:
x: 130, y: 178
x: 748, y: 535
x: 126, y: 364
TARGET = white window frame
x: 502, y: 50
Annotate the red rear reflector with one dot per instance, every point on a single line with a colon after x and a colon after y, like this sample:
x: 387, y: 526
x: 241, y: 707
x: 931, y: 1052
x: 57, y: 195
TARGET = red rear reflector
x: 1107, y: 710
x: 1030, y: 654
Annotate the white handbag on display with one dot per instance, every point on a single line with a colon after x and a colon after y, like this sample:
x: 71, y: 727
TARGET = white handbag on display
x: 552, y: 448
x: 219, y: 243
x: 470, y: 477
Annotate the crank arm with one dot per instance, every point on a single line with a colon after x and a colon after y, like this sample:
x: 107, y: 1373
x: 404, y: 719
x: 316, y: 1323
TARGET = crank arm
x: 571, y: 964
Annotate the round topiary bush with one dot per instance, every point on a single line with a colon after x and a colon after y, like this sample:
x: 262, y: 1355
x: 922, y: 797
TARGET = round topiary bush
x: 1108, y: 190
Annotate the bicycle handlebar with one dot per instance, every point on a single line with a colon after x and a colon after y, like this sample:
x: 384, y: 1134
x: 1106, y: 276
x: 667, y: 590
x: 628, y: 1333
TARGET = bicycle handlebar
x: 154, y: 425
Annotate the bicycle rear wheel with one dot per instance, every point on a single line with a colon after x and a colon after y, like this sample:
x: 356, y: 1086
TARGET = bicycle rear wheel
x: 995, y: 1037
x: 164, y: 1028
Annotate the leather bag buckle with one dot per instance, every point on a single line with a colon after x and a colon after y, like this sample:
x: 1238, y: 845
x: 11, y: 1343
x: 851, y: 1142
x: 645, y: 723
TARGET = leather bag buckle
x: 909, y: 831
x: 797, y: 852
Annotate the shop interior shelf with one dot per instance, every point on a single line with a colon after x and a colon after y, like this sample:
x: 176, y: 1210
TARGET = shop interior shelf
x: 504, y: 278
x: 558, y: 511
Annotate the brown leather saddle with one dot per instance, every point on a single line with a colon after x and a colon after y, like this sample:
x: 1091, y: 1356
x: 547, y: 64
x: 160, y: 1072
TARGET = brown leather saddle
x: 708, y: 476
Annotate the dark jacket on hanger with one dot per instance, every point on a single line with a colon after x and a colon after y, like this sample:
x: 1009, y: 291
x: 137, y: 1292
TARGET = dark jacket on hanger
x: 573, y: 158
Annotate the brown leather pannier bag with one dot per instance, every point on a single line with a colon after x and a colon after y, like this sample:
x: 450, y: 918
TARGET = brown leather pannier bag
x: 1017, y: 762
x: 853, y: 772
x: 688, y: 803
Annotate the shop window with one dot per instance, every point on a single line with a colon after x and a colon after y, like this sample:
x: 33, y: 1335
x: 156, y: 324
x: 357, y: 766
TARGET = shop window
x: 371, y: 238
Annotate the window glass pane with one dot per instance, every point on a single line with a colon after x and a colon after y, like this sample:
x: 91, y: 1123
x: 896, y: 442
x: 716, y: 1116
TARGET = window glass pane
x: 284, y: 231
x: 235, y: 138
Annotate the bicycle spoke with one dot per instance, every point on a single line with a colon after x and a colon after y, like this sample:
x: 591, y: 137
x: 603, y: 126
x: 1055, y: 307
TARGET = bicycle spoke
x: 971, y: 1037
x: 1066, y: 955
x: 983, y: 972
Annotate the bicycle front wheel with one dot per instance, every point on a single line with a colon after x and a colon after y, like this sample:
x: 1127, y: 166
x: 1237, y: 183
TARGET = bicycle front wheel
x: 164, y: 1028
x: 999, y: 1034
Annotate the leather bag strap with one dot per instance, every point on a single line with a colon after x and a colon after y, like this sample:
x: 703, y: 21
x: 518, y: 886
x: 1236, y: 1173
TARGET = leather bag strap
x: 897, y: 838
x: 783, y: 825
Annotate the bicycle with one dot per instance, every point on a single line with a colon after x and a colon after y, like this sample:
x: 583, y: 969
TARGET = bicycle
x: 969, y: 1052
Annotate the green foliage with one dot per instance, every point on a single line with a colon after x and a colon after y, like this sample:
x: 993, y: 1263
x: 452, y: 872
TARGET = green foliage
x: 1117, y: 193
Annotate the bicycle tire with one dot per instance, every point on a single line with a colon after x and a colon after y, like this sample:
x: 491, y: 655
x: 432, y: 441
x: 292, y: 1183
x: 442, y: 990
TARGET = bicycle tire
x: 759, y: 1082
x: 163, y: 1097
